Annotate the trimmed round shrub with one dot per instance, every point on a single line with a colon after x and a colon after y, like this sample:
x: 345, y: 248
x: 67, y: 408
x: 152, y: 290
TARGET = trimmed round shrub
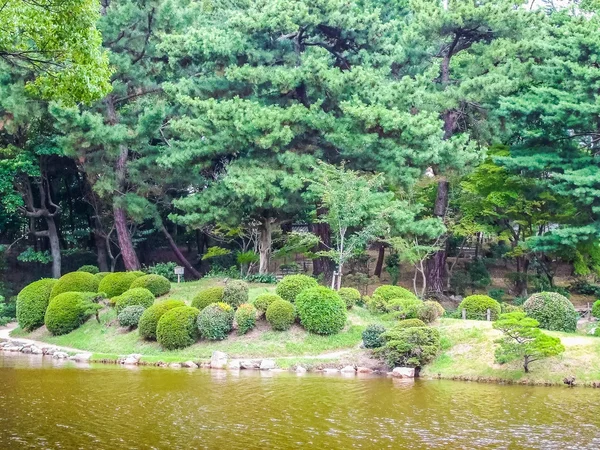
x: 291, y: 285
x: 75, y: 282
x: 372, y: 336
x: 67, y: 311
x: 553, y: 311
x: 149, y: 320
x: 245, y: 317
x: 262, y: 302
x: 215, y: 321
x: 207, y: 296
x: 157, y: 284
x: 384, y: 294
x: 135, y: 296
x: 350, y: 296
x: 596, y: 309
x: 404, y: 308
x: 321, y: 310
x: 116, y: 283
x: 32, y: 303
x: 430, y: 311
x: 412, y: 347
x: 89, y: 268
x: 477, y: 306
x: 130, y: 316
x: 235, y: 293
x: 281, y: 315
x: 508, y: 308
x: 100, y: 275
x: 408, y: 323
x: 177, y: 328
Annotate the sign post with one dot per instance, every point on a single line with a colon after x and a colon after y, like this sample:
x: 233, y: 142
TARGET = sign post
x: 179, y: 271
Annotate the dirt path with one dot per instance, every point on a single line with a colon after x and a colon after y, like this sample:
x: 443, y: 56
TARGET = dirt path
x: 5, y: 335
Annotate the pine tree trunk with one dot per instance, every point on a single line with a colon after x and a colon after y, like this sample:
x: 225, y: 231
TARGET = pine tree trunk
x: 380, y: 258
x: 322, y: 266
x: 436, y: 264
x: 101, y: 253
x: 54, y: 247
x: 128, y: 254
x: 182, y: 259
x: 264, y: 245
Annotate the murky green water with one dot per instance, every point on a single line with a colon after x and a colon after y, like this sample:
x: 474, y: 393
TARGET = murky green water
x: 43, y: 405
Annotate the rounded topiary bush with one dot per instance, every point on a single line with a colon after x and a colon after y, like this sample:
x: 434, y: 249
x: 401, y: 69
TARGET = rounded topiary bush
x: 116, y: 283
x: 245, y: 317
x: 130, y: 316
x: 157, y: 284
x: 291, y: 285
x: 32, y: 303
x: 149, y: 320
x: 372, y: 336
x: 350, y: 296
x: 477, y: 306
x: 215, y: 321
x: 75, y: 282
x: 408, y: 323
x: 281, y: 314
x: 67, y: 311
x: 207, y: 296
x: 89, y: 268
x: 100, y: 275
x: 135, y: 296
x: 235, y: 293
x: 404, y: 308
x: 384, y: 294
x: 321, y: 310
x: 262, y: 302
x: 177, y: 328
x: 596, y: 309
x: 430, y: 311
x: 553, y: 311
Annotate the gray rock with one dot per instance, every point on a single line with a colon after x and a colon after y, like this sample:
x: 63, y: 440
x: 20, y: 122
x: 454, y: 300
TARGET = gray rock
x: 190, y: 365
x: 13, y: 348
x: 364, y: 370
x: 175, y: 365
x: 60, y: 355
x: 330, y: 370
x: 81, y: 357
x: 348, y: 369
x: 267, y: 364
x: 218, y: 360
x: 300, y: 370
x: 36, y: 350
x: 132, y: 360
x: 403, y: 372
x: 26, y: 350
x: 234, y: 364
x: 248, y: 364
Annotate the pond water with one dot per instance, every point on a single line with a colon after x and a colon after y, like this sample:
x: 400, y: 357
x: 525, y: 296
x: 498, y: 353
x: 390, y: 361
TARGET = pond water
x: 45, y: 404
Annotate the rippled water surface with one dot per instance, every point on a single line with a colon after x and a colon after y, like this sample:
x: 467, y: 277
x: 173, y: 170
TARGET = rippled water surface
x: 43, y: 405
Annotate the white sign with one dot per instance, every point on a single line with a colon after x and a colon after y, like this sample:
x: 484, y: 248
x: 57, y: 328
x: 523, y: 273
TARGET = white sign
x: 179, y: 270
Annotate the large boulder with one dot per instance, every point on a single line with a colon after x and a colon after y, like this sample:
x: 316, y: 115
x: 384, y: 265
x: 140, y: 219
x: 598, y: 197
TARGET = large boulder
x: 218, y: 360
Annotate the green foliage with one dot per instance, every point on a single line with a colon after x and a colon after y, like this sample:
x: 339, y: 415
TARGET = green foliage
x: 263, y: 301
x: 430, y: 311
x: 177, y: 328
x: 477, y: 306
x: 207, y: 296
x: 100, y: 276
x: 412, y: 347
x: 116, y: 283
x: 149, y: 320
x: 31, y: 256
x: 408, y: 323
x: 75, y: 282
x: 165, y: 269
x: 245, y: 317
x: 67, y: 311
x: 404, y: 308
x: 524, y: 340
x: 215, y: 321
x: 552, y: 311
x: 292, y: 285
x: 32, y: 302
x: 134, y: 296
x: 214, y: 252
x: 235, y: 293
x: 372, y: 336
x: 157, y: 284
x: 596, y: 309
x: 350, y: 296
x: 497, y: 294
x: 89, y: 269
x: 281, y: 314
x: 392, y: 266
x: 508, y: 308
x: 130, y: 316
x: 383, y: 294
x: 267, y: 278
x: 479, y: 274
x: 321, y: 310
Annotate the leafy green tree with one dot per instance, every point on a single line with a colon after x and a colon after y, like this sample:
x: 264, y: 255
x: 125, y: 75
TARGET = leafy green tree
x: 59, y: 42
x: 524, y: 340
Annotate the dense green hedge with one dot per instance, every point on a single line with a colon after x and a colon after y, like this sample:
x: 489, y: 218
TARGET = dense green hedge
x: 430, y: 311
x: 116, y: 283
x: 553, y: 311
x: 408, y: 323
x: 281, y: 314
x: 245, y: 317
x: 350, y: 296
x: 157, y: 284
x: 89, y: 269
x: 596, y: 309
x: 130, y: 316
x: 235, y: 293
x: 100, y: 275
x: 149, y: 320
x: 372, y: 336
x: 412, y: 347
x: 477, y: 306
x: 321, y: 310
x: 215, y: 321
x: 75, y: 282
x: 380, y: 300
x: 67, y: 311
x: 262, y: 302
x: 135, y: 296
x: 207, y: 296
x: 32, y: 303
x: 291, y: 285
x: 177, y: 328
x: 404, y: 308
